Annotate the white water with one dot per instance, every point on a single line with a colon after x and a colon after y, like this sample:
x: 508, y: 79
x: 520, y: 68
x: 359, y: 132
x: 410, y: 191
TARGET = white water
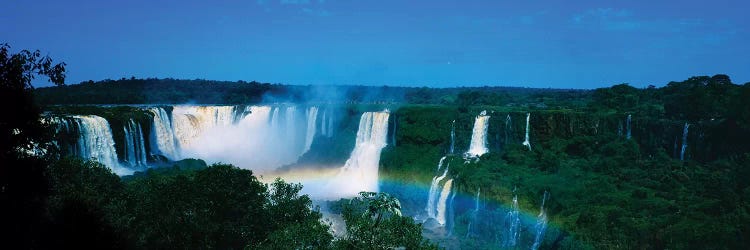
x: 326, y: 123
x: 189, y: 122
x: 684, y: 141
x: 478, y: 145
x: 627, y: 126
x: 135, y: 148
x: 434, y: 194
x: 162, y: 136
x: 541, y: 224
x: 442, y: 202
x: 360, y: 172
x: 453, y: 137
x: 290, y: 117
x: 312, y: 119
x: 526, y: 138
x: 263, y: 140
x: 95, y: 142
x: 260, y: 137
x: 513, y: 223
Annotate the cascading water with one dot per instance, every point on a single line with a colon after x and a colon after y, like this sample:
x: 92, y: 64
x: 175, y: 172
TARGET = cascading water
x: 275, y: 117
x: 684, y: 141
x: 162, y: 136
x: 541, y: 224
x: 508, y: 124
x: 526, y: 137
x: 360, y: 172
x: 290, y: 116
x: 434, y: 194
x: 474, y: 213
x: 135, y: 148
x: 326, y: 123
x: 442, y: 202
x: 513, y: 224
x: 189, y: 122
x: 627, y: 127
x: 330, y: 125
x: 453, y: 137
x: 450, y: 214
x: 312, y: 119
x: 478, y: 145
x: 95, y: 141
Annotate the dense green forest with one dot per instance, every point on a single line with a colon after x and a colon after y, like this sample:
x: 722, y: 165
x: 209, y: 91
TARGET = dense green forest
x: 608, y: 191
x: 175, y: 91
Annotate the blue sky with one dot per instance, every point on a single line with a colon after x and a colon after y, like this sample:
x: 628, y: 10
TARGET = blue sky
x: 558, y: 44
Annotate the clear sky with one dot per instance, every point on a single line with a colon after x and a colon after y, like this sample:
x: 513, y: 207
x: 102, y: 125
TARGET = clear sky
x: 558, y: 44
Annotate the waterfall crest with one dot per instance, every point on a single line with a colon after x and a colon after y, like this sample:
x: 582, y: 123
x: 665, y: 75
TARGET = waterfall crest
x: 526, y: 138
x: 360, y: 172
x: 95, y: 141
x: 162, y: 137
x: 135, y: 148
x: 478, y: 145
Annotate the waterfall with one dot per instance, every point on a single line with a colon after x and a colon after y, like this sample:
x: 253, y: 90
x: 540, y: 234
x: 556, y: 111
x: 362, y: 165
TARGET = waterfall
x: 323, y: 129
x: 162, y: 136
x: 95, y: 141
x: 478, y: 145
x: 684, y: 141
x: 508, y: 124
x: 513, y: 224
x: 541, y: 224
x: 627, y: 127
x: 442, y: 202
x: 453, y: 137
x: 330, y: 125
x: 135, y: 149
x: 476, y: 200
x: 189, y: 122
x: 129, y: 145
x: 440, y: 163
x: 326, y: 123
x: 360, y: 172
x: 526, y: 138
x: 434, y: 194
x: 474, y: 213
x: 274, y: 117
x: 450, y: 214
x: 290, y: 133
x: 312, y: 119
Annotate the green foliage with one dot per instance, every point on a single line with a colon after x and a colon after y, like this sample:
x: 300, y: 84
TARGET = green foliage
x: 374, y: 221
